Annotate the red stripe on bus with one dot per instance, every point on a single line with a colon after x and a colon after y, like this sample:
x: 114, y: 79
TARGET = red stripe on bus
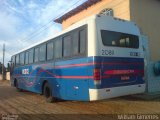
x: 98, y: 63
x: 71, y: 77
x: 75, y: 65
x: 75, y: 77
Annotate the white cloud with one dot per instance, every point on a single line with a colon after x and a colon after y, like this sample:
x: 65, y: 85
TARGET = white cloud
x: 8, y: 24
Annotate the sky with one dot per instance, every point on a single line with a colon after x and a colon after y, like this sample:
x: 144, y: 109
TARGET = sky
x: 21, y: 22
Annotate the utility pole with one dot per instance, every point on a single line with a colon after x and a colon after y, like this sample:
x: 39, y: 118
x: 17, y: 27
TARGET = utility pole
x: 3, y: 62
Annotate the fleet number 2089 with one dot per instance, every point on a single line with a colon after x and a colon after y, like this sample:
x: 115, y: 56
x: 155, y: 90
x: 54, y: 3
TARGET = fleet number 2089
x: 107, y: 52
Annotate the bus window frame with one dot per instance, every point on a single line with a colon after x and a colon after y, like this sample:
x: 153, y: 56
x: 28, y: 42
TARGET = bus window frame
x: 49, y: 42
x: 29, y: 55
x: 45, y: 52
x: 71, y: 49
x: 17, y: 64
x: 36, y: 47
x: 86, y: 36
x: 55, y: 40
x: 26, y: 57
x: 23, y: 58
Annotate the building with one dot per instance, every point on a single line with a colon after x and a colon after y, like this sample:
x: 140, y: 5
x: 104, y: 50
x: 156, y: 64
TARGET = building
x: 143, y: 12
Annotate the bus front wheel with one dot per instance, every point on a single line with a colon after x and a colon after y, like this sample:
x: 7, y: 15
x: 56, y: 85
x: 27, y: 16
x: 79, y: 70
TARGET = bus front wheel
x: 47, y: 92
x: 17, y: 86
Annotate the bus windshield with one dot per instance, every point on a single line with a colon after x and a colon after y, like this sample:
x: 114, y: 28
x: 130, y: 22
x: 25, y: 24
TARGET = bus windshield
x: 117, y: 39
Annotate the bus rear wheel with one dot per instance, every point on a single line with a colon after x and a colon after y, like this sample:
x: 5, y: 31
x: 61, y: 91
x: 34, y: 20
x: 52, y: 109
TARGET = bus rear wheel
x: 47, y: 92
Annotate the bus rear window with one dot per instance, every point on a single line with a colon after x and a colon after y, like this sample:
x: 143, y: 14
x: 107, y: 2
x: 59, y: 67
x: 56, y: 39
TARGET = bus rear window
x: 117, y: 39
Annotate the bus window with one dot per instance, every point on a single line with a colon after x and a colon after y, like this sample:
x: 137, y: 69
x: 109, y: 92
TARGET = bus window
x: 31, y: 56
x: 117, y: 39
x: 26, y: 58
x: 58, y: 48
x: 17, y: 59
x: 122, y: 42
x: 22, y: 58
x: 75, y: 43
x: 50, y: 51
x: 42, y: 52
x: 67, y: 42
x: 36, y: 54
x: 82, y: 38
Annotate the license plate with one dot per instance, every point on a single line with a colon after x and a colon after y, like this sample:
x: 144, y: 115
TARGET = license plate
x: 125, y: 77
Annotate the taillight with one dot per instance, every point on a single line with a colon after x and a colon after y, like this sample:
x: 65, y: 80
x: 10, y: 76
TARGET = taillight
x: 97, y: 76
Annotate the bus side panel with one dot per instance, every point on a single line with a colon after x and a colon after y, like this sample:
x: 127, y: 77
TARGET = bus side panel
x: 68, y: 79
x: 73, y: 76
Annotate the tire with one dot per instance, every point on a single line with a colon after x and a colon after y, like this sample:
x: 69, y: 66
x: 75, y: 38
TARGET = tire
x: 16, y: 85
x: 47, y: 92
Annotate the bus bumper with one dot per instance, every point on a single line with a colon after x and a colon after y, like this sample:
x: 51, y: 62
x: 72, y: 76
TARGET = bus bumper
x: 99, y: 94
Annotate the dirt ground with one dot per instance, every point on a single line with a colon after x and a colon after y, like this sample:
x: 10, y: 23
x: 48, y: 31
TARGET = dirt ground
x: 14, y: 102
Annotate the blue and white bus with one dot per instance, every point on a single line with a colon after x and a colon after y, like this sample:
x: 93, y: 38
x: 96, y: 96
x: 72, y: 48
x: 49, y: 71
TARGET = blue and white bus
x: 97, y: 58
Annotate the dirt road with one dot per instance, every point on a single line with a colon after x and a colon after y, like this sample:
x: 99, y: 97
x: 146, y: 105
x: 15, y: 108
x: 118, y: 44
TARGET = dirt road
x: 13, y: 102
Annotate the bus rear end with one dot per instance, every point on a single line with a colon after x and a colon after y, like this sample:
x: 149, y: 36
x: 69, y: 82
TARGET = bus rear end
x: 118, y: 59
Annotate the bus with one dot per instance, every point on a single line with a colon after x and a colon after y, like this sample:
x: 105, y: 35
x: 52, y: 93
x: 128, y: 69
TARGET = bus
x: 97, y: 58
